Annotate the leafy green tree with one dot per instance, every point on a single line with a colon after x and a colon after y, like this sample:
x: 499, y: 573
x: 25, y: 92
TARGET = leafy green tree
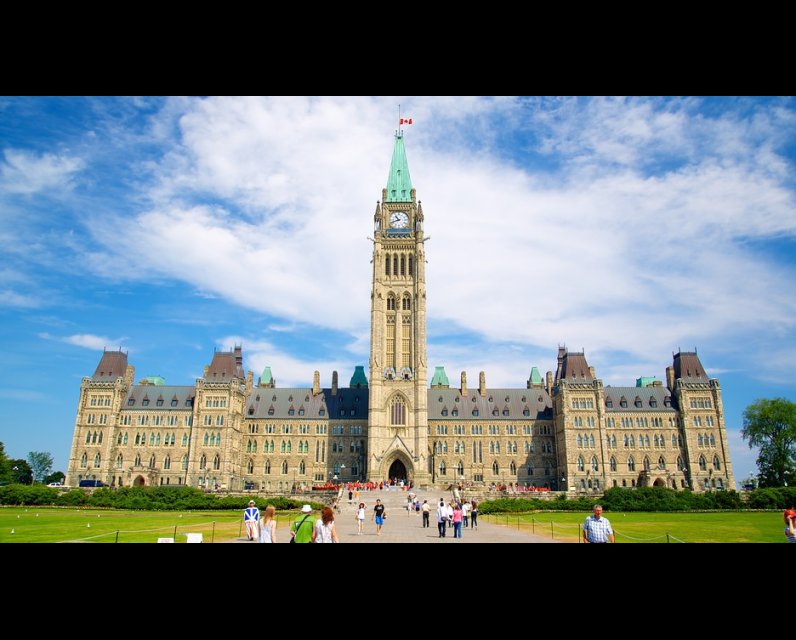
x: 41, y: 463
x: 770, y: 424
x: 20, y: 472
x: 58, y: 476
x: 4, y: 467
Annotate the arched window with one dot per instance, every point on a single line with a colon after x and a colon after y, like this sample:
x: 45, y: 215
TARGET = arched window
x: 157, y: 440
x: 613, y: 442
x: 661, y: 463
x: 119, y: 461
x: 411, y: 265
x: 703, y: 465
x: 403, y: 264
x: 395, y: 264
x: 390, y: 302
x: 152, y: 439
x: 631, y: 464
x: 712, y: 440
x: 397, y: 411
x: 167, y: 462
x: 267, y: 467
x: 97, y: 460
x: 386, y: 264
x: 460, y: 468
x: 646, y: 441
x: 152, y: 461
x: 716, y: 463
x: 216, y: 462
x: 254, y: 446
x: 594, y: 465
x: 284, y: 467
x: 249, y: 446
x: 580, y: 441
x: 88, y: 438
x: 581, y: 464
x: 495, y: 468
x: 406, y: 303
x: 99, y: 438
x: 302, y: 468
x: 203, y: 462
x: 137, y: 462
x: 633, y: 442
x: 442, y: 469
x: 646, y: 463
x: 612, y: 464
x: 206, y: 440
x: 513, y: 468
x: 591, y: 441
x: 184, y: 463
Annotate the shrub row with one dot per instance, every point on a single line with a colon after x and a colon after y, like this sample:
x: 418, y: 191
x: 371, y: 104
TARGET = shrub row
x: 149, y: 498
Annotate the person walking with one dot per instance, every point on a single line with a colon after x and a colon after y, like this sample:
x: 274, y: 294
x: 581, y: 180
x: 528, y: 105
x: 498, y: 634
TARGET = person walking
x: 474, y: 514
x: 302, y: 528
x: 268, y: 525
x: 790, y: 525
x: 378, y: 516
x: 324, y: 529
x: 457, y: 521
x: 426, y: 508
x: 442, y: 517
x: 597, y: 529
x: 251, y: 519
x: 465, y: 513
x: 360, y: 518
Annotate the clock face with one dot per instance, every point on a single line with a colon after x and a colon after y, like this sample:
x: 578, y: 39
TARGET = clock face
x: 399, y: 220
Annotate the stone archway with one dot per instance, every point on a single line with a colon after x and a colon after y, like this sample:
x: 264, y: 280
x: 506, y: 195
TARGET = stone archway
x: 139, y: 481
x: 659, y: 482
x: 397, y: 466
x: 398, y: 471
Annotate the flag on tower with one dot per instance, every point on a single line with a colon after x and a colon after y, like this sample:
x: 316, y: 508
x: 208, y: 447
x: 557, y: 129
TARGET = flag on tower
x: 405, y: 121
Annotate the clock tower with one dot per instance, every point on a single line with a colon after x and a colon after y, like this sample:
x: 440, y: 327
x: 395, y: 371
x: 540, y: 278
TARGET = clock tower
x: 398, y: 394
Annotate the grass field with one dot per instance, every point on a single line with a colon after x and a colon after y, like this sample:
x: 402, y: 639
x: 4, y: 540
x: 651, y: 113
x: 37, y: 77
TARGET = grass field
x: 653, y: 527
x: 43, y: 524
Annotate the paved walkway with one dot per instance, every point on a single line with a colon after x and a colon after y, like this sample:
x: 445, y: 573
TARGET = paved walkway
x: 403, y: 527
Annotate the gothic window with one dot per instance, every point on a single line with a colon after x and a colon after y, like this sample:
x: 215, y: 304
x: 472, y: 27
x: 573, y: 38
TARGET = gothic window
x: 137, y: 462
x: 442, y: 469
x: 631, y: 464
x: 403, y: 264
x: 395, y: 265
x: 84, y: 461
x: 167, y: 462
x: 646, y: 463
x: 581, y: 464
x: 407, y: 303
x: 184, y: 463
x: 661, y: 463
x: 386, y: 264
x: 411, y: 264
x: 119, y: 461
x: 460, y: 468
x: 284, y: 467
x: 302, y: 468
x: 612, y: 464
x: 580, y: 441
x: 397, y: 411
x: 203, y: 462
x: 250, y: 466
x: 712, y: 440
x: 495, y: 468
x: 216, y: 463
x: 267, y: 468
x: 390, y: 302
x: 716, y: 463
x: 152, y: 461
x: 594, y: 465
x: 88, y: 438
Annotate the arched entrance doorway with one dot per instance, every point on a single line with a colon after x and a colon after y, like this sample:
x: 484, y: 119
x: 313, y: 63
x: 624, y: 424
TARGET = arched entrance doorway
x: 659, y: 483
x: 398, y: 471
x: 139, y: 481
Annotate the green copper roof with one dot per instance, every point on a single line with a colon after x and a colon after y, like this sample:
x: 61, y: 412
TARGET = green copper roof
x: 536, y: 377
x: 399, y: 184
x: 358, y: 379
x: 645, y: 381
x: 156, y: 380
x: 439, y: 379
x: 266, y: 377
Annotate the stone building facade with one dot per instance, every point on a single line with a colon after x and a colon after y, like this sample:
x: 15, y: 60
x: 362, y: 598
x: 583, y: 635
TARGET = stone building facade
x: 568, y: 431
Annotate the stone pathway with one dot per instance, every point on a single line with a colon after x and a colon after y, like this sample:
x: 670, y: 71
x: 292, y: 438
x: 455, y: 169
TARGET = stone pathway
x: 400, y: 527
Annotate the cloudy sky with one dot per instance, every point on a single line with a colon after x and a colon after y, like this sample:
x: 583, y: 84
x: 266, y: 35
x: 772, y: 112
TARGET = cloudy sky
x: 630, y: 228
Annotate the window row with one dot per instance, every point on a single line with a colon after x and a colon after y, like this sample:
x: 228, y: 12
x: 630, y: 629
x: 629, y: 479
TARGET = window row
x: 638, y: 402
x: 156, y: 420
x: 215, y: 401
x: 701, y: 403
x: 706, y: 440
x: 398, y: 264
x: 582, y: 403
x: 707, y: 421
x: 100, y: 401
x: 131, y: 402
x: 97, y: 418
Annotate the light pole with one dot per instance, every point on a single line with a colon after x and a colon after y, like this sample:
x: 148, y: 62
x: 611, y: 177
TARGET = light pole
x: 563, y: 483
x: 342, y: 470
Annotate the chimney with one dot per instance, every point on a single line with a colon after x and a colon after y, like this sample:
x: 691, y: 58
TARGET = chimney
x: 238, y: 356
x: 670, y: 378
x: 207, y: 368
x: 249, y: 382
x: 591, y: 373
x: 334, y: 383
x: 464, y: 383
x: 316, y: 383
x: 482, y: 383
x: 549, y: 377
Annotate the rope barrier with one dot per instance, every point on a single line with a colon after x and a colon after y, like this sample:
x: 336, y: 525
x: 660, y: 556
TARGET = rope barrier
x: 624, y: 535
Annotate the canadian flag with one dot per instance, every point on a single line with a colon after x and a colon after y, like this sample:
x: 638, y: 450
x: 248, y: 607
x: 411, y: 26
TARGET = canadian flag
x: 405, y: 121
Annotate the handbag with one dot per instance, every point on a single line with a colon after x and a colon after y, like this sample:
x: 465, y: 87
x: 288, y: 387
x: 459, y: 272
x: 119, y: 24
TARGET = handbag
x: 293, y: 539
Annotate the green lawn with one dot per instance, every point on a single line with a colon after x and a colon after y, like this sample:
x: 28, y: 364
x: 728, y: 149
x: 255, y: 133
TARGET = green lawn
x: 46, y: 524
x: 653, y: 527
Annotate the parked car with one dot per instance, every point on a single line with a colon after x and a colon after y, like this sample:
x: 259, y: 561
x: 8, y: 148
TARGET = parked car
x: 92, y: 483
x: 55, y: 484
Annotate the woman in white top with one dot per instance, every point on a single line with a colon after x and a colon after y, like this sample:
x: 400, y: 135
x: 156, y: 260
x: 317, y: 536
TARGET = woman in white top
x: 324, y: 529
x: 360, y: 518
x: 268, y: 525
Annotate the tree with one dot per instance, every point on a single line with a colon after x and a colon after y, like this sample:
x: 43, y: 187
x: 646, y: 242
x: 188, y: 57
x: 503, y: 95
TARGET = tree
x: 58, y: 476
x: 771, y: 426
x: 20, y: 472
x: 41, y: 463
x: 4, y: 467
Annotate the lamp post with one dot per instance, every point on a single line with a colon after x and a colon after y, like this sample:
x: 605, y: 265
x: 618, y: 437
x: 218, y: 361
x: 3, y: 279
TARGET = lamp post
x: 342, y: 470
x: 563, y: 483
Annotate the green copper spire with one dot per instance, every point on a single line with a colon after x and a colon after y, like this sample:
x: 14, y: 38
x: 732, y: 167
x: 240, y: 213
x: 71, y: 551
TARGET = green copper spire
x: 440, y: 379
x: 535, y: 377
x: 358, y: 379
x: 266, y: 379
x: 399, y: 184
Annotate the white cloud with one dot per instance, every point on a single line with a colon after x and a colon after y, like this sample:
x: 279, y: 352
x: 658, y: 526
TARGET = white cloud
x: 10, y: 298
x: 88, y: 341
x: 27, y: 172
x: 611, y: 252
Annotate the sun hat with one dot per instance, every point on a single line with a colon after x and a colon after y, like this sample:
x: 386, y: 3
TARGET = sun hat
x: 251, y: 501
x: 306, y: 509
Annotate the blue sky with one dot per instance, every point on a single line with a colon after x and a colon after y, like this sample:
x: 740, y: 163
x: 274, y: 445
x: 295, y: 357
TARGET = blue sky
x: 172, y: 226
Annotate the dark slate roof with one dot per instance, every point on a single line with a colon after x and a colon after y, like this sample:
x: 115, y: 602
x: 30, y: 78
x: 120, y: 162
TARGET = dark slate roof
x: 643, y: 394
x: 575, y: 368
x: 536, y: 401
x: 153, y: 393
x: 112, y: 365
x: 225, y: 365
x: 347, y: 404
x: 688, y: 367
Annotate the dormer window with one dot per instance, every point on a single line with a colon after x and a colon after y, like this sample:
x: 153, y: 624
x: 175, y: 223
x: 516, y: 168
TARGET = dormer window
x: 159, y: 402
x: 321, y: 412
x: 653, y: 402
x: 495, y: 412
x: 131, y: 402
x: 174, y: 402
x: 455, y: 413
x: 475, y: 413
x: 145, y: 402
x: 667, y: 401
x: 637, y: 402
x: 444, y: 412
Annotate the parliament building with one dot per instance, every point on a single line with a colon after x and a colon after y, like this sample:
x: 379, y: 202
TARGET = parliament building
x: 565, y: 431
